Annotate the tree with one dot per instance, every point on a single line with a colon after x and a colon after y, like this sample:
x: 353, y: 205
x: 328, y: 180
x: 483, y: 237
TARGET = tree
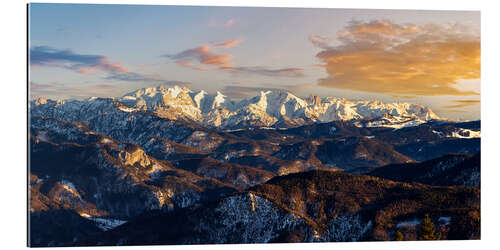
x: 427, y: 230
x: 399, y: 236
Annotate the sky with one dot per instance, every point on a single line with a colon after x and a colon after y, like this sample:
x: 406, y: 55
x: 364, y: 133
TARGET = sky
x: 428, y: 57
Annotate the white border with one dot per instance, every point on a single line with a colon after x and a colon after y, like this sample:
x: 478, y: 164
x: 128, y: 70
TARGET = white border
x: 13, y: 117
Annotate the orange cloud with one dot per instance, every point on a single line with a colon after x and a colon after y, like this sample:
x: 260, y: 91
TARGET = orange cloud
x: 377, y: 28
x: 217, y: 60
x: 115, y: 67
x: 401, y: 59
x: 204, y: 55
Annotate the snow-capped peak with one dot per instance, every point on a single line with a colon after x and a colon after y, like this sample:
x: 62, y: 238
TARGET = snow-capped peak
x: 219, y: 99
x: 176, y: 90
x: 198, y: 97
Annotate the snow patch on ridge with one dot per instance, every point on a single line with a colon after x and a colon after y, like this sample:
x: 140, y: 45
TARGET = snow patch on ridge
x: 70, y: 187
x: 104, y: 224
x: 408, y: 223
x: 106, y: 140
x: 465, y: 133
x: 126, y: 109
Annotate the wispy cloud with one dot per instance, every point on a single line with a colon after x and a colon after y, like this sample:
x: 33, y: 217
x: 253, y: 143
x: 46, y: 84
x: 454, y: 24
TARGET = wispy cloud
x: 400, y: 59
x: 82, y: 63
x: 320, y: 41
x: 463, y: 104
x: 136, y: 77
x: 289, y: 72
x: 205, y: 56
x: 229, y: 43
x: 187, y: 64
x: 225, y: 24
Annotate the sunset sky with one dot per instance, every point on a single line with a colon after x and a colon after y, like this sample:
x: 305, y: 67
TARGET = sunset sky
x: 429, y: 57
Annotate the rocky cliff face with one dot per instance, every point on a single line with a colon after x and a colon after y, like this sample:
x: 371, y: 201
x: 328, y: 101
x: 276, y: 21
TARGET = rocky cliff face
x: 119, y: 179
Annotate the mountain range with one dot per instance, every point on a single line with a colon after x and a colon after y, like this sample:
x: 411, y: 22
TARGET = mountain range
x: 271, y: 168
x: 272, y: 108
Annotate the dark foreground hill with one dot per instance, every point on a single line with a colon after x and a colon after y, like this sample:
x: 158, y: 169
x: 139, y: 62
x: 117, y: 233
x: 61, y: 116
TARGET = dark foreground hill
x: 312, y: 206
x: 448, y: 170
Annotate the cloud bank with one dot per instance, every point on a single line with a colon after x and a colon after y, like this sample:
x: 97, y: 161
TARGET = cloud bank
x: 56, y: 90
x: 400, y: 59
